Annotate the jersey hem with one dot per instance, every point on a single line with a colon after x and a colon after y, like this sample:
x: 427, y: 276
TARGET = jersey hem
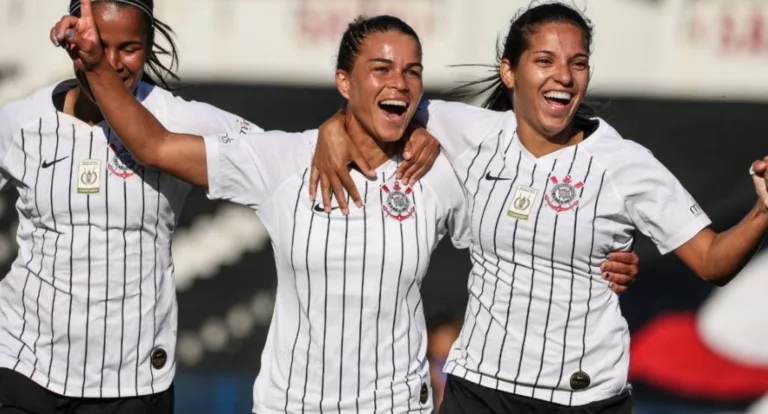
x: 42, y: 380
x: 558, y: 396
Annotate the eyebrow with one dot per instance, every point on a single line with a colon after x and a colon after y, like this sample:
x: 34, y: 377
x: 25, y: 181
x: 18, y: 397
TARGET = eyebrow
x: 551, y: 53
x: 389, y: 62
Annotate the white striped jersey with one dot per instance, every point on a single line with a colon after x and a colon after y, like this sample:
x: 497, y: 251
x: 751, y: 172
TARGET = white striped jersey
x: 348, y: 332
x: 88, y: 308
x: 541, y: 322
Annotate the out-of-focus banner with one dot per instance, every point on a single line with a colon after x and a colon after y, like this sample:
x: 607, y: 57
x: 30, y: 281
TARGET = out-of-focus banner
x: 682, y: 48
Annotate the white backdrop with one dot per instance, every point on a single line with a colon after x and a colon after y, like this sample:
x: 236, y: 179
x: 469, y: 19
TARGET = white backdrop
x: 714, y: 49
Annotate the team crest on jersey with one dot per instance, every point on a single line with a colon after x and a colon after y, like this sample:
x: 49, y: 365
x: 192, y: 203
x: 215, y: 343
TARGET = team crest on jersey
x: 121, y: 163
x: 563, y: 195
x: 398, y: 204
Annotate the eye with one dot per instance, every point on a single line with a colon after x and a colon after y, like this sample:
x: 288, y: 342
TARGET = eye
x: 544, y: 61
x: 381, y: 69
x: 581, y: 64
x: 414, y: 73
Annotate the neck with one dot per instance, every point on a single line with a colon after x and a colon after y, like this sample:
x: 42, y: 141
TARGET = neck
x: 374, y: 151
x: 81, y: 107
x: 539, y: 144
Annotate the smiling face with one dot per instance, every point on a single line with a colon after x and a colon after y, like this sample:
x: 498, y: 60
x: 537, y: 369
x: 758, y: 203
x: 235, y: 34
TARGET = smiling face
x: 384, y: 86
x: 551, y: 78
x: 123, y: 30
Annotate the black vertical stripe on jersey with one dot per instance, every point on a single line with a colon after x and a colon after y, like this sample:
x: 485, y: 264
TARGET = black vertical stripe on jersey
x: 495, y: 249
x: 88, y: 297
x: 471, y: 215
x: 55, y: 248
x: 573, y: 278
x: 26, y: 280
x: 309, y: 308
x: 106, y: 267
x: 408, y: 293
x: 533, y: 279
x: 394, y: 318
x: 480, y: 232
x: 125, y: 282
x: 512, y: 282
x: 141, y: 276
x: 42, y: 250
x: 589, y: 270
x: 381, y: 285
x: 362, y: 295
x: 158, y: 191
x: 293, y: 267
x: 325, y: 306
x: 343, y: 302
x: 71, y: 265
x: 545, y: 338
x: 426, y: 243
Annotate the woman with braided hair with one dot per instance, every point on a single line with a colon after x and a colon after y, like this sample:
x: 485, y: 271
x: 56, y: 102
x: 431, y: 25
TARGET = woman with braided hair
x: 88, y: 309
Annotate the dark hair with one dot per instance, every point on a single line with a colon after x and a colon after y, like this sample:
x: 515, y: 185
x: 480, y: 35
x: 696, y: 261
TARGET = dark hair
x: 360, y: 29
x: 517, y: 41
x: 156, y: 72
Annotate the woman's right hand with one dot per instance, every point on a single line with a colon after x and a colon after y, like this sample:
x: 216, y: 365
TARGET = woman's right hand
x: 330, y: 165
x: 80, y: 38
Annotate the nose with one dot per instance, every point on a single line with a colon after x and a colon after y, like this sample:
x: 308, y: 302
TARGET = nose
x: 113, y: 57
x: 563, y: 74
x: 398, y: 81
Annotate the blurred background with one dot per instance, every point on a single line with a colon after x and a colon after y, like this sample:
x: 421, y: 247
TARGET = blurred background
x: 686, y: 78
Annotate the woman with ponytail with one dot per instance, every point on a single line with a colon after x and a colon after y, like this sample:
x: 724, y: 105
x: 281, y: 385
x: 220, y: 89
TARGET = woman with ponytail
x: 552, y: 189
x: 88, y: 309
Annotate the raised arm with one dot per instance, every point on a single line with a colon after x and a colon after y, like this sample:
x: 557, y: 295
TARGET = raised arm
x: 719, y: 257
x: 663, y: 210
x: 145, y: 137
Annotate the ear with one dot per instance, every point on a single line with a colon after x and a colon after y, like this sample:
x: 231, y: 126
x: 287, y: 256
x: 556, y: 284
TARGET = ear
x: 342, y: 83
x: 507, y: 73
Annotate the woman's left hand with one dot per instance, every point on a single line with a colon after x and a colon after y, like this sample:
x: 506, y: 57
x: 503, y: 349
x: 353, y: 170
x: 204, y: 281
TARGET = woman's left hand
x: 620, y: 270
x: 759, y: 172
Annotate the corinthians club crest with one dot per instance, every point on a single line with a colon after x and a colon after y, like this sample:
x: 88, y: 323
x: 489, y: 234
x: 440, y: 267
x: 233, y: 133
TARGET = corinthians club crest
x: 563, y: 195
x: 398, y: 204
x: 121, y: 163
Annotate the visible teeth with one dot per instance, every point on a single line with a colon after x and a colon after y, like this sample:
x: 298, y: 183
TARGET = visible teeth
x: 558, y: 95
x: 394, y: 102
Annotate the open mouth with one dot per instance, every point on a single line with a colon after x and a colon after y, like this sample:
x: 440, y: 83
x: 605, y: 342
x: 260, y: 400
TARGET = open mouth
x: 558, y: 99
x: 393, y: 108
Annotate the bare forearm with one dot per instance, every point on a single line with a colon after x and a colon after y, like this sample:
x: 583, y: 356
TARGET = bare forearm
x: 137, y: 128
x: 181, y: 155
x: 732, y: 249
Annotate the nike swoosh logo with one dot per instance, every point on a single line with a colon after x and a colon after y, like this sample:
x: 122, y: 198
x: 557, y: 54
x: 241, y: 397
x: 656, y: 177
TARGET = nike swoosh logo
x: 320, y: 209
x: 47, y: 164
x: 489, y: 177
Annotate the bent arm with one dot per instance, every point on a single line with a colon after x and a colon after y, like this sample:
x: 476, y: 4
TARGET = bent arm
x: 181, y: 155
x: 719, y: 257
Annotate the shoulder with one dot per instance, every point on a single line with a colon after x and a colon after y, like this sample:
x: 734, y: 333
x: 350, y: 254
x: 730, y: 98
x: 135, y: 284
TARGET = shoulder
x: 17, y: 114
x: 442, y: 182
x: 459, y: 112
x: 614, y: 151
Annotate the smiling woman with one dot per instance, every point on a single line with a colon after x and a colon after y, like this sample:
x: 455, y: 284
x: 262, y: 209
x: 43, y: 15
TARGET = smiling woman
x: 88, y: 314
x: 552, y: 190
x: 348, y: 332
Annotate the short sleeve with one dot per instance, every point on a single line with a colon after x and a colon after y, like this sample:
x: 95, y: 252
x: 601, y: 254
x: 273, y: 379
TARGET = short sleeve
x: 248, y: 169
x: 448, y: 192
x: 657, y: 203
x: 457, y: 126
x: 192, y: 117
x: 459, y: 225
